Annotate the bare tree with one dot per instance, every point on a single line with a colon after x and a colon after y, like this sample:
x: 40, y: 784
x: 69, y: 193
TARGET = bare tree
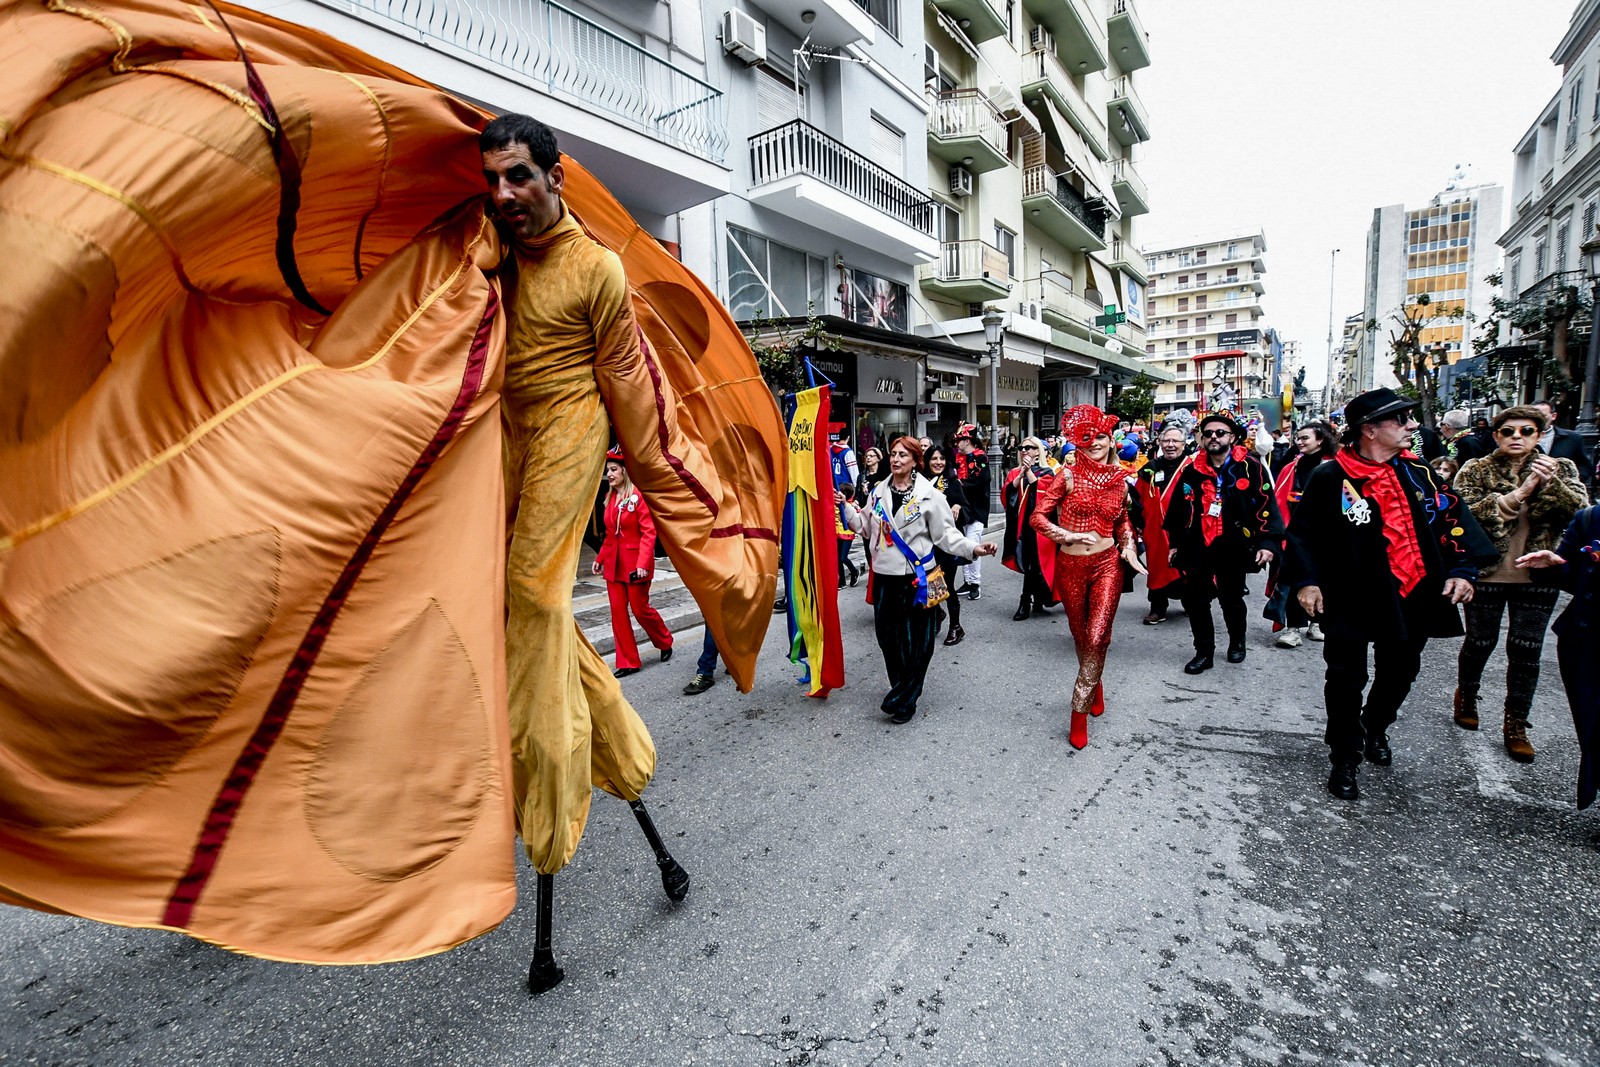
x: 1416, y: 361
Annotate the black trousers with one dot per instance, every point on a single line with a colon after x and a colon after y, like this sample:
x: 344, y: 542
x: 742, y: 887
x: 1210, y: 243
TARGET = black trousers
x: 906, y: 635
x: 1224, y: 582
x: 1530, y: 607
x: 1394, y: 667
x: 1580, y: 674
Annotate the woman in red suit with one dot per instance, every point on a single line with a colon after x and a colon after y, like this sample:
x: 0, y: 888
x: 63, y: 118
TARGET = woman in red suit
x: 627, y: 559
x: 1083, y: 512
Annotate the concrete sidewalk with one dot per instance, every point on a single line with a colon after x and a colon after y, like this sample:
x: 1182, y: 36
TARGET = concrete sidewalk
x: 671, y: 597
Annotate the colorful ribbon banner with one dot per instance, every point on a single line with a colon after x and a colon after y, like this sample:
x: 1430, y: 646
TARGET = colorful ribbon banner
x: 810, y: 546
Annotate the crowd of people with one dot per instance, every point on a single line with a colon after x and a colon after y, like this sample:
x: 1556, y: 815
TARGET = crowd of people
x: 1374, y: 534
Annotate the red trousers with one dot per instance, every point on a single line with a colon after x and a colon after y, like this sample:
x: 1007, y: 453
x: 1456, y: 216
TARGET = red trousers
x: 1089, y: 587
x: 635, y: 595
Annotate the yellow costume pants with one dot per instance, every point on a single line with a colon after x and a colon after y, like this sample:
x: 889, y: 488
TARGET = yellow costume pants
x: 570, y: 725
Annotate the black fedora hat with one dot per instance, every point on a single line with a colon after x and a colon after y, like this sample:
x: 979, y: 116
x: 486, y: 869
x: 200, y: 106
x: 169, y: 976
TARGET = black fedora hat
x: 1376, y: 404
x: 1224, y: 417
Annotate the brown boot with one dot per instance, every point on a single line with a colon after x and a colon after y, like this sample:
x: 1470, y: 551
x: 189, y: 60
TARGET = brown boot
x: 1518, y: 747
x: 1466, y: 711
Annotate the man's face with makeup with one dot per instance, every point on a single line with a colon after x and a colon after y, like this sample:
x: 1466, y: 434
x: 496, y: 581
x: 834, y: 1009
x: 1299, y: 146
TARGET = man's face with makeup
x: 526, y: 198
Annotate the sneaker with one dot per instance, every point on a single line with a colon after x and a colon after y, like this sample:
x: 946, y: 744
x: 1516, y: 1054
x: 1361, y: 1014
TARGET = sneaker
x: 1314, y: 632
x: 1289, y: 638
x: 973, y: 592
x: 701, y: 683
x: 1155, y: 618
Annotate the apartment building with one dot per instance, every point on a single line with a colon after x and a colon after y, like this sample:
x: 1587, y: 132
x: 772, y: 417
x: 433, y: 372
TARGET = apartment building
x: 1555, y: 188
x: 1035, y: 125
x: 1444, y: 249
x: 1206, y: 327
x: 1342, y: 373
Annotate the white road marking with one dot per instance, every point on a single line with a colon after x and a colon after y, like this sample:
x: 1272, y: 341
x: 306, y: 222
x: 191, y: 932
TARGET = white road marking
x: 1494, y: 783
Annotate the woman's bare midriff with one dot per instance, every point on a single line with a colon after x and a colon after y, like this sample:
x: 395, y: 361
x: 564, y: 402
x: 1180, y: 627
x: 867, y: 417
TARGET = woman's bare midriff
x: 1080, y: 549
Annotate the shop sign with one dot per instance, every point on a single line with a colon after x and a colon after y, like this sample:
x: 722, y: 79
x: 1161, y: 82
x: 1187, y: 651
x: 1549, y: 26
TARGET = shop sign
x: 1238, y: 338
x: 885, y: 381
x: 947, y: 395
x: 927, y: 411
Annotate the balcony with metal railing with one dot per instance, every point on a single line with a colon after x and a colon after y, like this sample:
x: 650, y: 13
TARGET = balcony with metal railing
x: 1129, y: 188
x: 1044, y: 76
x: 559, y: 51
x: 1125, y: 114
x: 1061, y: 211
x: 1212, y: 281
x: 965, y: 130
x: 1130, y: 44
x: 1079, y: 36
x: 800, y: 171
x: 970, y: 272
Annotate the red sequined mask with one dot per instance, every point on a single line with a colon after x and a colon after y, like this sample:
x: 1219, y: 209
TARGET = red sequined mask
x: 1082, y: 424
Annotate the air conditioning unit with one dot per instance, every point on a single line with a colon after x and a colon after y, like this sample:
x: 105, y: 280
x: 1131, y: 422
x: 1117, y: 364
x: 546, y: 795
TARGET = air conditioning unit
x: 960, y: 181
x: 1042, y: 40
x: 1030, y: 309
x: 744, y: 37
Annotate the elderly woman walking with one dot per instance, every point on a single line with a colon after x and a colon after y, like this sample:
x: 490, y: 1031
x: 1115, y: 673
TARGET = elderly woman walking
x: 903, y: 521
x: 1524, y: 500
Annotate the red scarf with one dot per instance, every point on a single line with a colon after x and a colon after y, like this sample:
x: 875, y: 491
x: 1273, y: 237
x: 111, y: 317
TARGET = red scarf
x: 1211, y: 525
x: 1383, y: 483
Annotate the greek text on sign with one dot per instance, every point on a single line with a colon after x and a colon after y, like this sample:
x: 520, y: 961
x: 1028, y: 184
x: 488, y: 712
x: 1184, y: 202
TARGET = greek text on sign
x: 1019, y: 385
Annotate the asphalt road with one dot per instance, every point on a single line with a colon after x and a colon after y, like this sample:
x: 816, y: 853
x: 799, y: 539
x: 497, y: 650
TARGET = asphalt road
x: 962, y: 889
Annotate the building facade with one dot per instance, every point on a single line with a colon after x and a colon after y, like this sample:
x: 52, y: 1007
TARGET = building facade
x: 1555, y: 190
x: 1206, y: 327
x: 1444, y: 250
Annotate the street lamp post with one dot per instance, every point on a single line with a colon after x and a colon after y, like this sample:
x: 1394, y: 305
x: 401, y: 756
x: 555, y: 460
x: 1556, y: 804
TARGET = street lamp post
x: 1586, y: 414
x: 994, y: 321
x: 1327, y: 381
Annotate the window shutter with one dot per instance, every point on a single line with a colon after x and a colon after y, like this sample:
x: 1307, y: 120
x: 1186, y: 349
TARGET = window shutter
x: 888, y: 149
x: 775, y: 101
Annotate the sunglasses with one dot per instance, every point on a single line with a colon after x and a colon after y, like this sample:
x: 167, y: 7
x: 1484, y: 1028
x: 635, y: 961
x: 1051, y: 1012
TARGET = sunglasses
x: 1216, y: 433
x: 1518, y: 431
x: 1030, y: 448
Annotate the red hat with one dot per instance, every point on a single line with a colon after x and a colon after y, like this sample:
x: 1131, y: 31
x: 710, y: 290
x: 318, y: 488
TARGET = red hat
x: 1082, y: 424
x: 967, y: 432
x: 614, y: 453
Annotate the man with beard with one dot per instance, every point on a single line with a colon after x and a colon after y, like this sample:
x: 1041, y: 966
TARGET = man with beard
x: 1383, y: 552
x: 1154, y: 478
x: 972, y: 470
x: 1223, y: 523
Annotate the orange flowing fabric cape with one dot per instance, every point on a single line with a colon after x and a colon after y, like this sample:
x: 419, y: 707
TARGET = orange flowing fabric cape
x: 251, y: 517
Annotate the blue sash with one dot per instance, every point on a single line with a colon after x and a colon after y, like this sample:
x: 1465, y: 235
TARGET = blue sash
x: 920, y: 566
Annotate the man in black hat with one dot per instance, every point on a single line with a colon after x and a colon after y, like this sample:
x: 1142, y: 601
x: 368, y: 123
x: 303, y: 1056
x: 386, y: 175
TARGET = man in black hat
x: 1383, y: 551
x: 1222, y: 523
x: 972, y: 470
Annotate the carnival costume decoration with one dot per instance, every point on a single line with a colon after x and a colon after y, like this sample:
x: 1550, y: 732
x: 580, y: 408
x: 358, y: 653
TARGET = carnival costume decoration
x: 810, y: 552
x: 1088, y: 497
x: 252, y: 522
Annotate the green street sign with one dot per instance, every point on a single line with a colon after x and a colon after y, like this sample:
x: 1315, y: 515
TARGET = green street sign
x: 1111, y: 319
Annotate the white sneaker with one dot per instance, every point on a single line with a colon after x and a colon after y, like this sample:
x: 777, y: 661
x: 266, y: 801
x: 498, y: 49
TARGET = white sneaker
x: 1313, y: 632
x: 1288, y: 639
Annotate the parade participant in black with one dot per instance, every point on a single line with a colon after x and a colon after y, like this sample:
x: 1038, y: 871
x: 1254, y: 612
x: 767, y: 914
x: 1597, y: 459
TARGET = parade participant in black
x: 903, y: 521
x: 1153, y: 480
x: 1316, y: 442
x: 1021, y: 550
x: 972, y: 468
x: 1222, y: 523
x: 1575, y: 567
x: 940, y: 470
x: 842, y: 459
x: 874, y: 469
x: 1524, y: 500
x: 1560, y: 443
x: 1382, y: 553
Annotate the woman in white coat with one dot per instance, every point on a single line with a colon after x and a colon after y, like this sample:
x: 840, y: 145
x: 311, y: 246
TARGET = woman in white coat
x: 903, y: 520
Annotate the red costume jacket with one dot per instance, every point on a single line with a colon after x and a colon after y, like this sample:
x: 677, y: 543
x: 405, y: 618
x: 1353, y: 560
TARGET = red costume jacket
x: 630, y: 543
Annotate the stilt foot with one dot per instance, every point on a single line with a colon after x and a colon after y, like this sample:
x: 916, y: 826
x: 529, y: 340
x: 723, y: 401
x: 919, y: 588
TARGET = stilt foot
x: 543, y: 974
x: 674, y: 879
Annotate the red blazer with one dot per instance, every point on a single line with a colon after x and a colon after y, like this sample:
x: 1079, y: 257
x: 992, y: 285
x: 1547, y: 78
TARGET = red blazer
x: 630, y: 542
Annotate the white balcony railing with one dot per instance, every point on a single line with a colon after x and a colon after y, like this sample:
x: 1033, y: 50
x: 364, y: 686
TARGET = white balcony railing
x: 553, y: 47
x: 799, y: 148
x: 967, y: 113
x: 968, y: 260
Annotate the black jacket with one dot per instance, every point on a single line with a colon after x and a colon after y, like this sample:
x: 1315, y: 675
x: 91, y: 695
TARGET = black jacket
x: 1250, y: 517
x: 976, y: 487
x: 1568, y: 444
x: 1580, y: 576
x: 1331, y: 547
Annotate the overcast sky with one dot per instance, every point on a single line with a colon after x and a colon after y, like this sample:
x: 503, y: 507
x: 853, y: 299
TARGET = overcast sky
x: 1302, y: 117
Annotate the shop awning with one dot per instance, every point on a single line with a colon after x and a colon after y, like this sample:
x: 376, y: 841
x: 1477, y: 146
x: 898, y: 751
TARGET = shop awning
x: 948, y: 365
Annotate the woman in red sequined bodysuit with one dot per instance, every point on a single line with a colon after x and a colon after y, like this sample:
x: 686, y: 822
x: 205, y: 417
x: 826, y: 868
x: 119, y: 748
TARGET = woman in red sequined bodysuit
x: 1083, y: 510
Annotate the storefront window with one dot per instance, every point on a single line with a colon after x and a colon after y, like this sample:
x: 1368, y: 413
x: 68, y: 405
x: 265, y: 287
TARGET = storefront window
x: 876, y: 427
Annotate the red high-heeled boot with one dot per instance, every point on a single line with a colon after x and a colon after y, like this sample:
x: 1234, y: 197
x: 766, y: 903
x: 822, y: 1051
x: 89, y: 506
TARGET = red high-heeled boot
x: 1079, y: 735
x: 1097, y: 706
